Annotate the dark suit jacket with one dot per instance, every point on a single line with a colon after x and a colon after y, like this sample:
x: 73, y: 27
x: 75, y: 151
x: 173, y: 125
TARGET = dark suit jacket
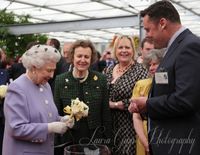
x: 61, y: 67
x: 3, y: 76
x: 174, y: 109
x: 16, y: 70
x: 95, y: 96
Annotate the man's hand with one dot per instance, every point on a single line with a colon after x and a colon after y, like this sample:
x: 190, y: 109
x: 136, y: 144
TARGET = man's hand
x: 133, y: 107
x: 138, y: 105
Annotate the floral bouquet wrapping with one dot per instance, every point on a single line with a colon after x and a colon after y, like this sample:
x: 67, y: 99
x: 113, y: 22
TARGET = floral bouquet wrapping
x: 77, y: 110
x: 3, y: 90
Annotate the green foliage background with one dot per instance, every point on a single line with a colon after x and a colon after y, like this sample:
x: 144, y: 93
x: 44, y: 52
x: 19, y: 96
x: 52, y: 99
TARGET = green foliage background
x: 16, y: 45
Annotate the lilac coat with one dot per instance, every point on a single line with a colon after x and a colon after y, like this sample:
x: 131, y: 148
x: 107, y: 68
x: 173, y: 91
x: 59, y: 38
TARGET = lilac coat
x: 28, y: 108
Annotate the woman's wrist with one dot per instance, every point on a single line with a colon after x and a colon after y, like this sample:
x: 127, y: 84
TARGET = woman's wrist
x: 113, y: 105
x: 116, y: 104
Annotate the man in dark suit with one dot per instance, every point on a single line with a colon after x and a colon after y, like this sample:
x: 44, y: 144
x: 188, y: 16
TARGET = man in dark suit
x: 16, y: 70
x: 61, y: 66
x: 173, y: 106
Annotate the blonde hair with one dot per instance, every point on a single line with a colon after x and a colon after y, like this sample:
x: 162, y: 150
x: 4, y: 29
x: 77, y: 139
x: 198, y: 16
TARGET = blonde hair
x: 117, y: 42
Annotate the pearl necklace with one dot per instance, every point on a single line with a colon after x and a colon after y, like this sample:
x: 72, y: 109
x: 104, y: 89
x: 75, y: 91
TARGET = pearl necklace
x: 121, y: 70
x: 80, y: 80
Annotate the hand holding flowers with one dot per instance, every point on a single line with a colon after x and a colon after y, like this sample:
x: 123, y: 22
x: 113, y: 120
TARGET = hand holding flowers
x: 68, y: 120
x: 76, y: 111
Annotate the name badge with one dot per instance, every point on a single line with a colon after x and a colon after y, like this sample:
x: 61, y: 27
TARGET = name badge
x: 161, y: 78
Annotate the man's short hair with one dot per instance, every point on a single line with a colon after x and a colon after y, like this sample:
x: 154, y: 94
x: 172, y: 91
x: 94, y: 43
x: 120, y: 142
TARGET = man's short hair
x: 162, y: 9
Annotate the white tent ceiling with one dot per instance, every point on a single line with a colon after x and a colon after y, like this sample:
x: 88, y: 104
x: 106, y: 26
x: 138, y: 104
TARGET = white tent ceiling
x: 48, y: 11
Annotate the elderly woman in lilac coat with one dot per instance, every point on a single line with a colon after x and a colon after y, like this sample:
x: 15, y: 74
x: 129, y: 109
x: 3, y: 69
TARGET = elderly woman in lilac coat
x: 31, y: 117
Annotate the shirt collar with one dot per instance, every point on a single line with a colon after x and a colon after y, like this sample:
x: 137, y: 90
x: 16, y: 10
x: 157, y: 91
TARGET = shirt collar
x: 175, y: 35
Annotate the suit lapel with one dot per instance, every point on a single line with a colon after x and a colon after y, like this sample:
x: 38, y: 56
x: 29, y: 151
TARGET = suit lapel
x: 175, y: 44
x: 170, y: 51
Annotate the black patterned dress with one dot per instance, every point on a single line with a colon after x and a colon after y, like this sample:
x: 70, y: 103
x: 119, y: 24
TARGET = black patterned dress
x: 121, y: 90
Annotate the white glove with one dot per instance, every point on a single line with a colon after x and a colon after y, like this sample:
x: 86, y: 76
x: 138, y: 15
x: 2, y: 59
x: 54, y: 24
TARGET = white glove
x: 57, y: 127
x: 68, y: 120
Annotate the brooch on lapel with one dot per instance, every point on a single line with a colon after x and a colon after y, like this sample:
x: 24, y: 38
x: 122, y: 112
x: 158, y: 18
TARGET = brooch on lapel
x: 95, y: 78
x: 66, y: 80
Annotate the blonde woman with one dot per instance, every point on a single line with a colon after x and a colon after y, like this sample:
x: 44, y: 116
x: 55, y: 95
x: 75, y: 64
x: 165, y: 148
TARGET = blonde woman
x: 121, y: 80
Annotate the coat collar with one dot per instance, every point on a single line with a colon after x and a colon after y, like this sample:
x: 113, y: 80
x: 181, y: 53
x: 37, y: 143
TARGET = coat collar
x: 92, y: 76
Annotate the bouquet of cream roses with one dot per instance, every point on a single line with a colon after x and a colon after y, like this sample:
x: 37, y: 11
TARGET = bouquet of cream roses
x: 3, y: 90
x: 77, y: 110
